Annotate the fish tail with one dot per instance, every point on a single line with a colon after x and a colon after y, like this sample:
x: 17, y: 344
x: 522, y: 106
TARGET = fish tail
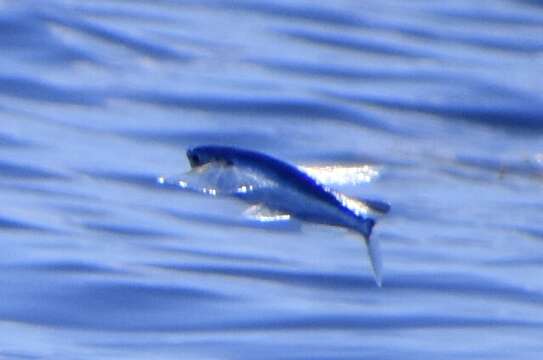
x: 372, y: 245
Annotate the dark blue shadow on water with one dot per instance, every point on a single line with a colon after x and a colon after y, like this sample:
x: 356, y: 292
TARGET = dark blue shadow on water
x: 16, y: 225
x: 25, y: 36
x: 381, y: 74
x: 365, y: 45
x: 9, y: 141
x: 41, y: 189
x: 524, y: 116
x: 129, y: 305
x: 445, y: 283
x: 220, y: 137
x: 11, y: 170
x: 315, y: 13
x: 489, y: 15
x: 61, y: 267
x: 299, y: 109
x: 38, y: 90
x: 215, y: 255
x: 124, y: 230
x: 117, y: 37
x: 373, y: 323
x: 524, y: 167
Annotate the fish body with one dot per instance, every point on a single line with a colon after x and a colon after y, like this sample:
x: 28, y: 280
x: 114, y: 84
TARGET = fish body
x: 284, y: 188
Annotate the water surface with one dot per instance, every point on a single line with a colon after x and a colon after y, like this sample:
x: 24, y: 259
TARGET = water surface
x: 99, y: 98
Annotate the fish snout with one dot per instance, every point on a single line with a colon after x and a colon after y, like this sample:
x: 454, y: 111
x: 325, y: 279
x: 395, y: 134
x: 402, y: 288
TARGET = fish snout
x: 194, y: 159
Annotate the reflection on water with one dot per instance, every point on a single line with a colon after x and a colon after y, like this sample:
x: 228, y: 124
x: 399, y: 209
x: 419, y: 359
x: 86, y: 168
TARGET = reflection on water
x: 433, y: 106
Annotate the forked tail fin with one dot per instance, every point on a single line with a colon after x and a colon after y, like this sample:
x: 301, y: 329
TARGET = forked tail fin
x: 373, y: 248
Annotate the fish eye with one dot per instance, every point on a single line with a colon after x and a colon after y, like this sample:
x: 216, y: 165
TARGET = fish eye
x: 195, y: 159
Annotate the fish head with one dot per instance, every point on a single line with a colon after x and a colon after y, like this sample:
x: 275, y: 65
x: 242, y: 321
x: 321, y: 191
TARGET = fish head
x: 195, y: 159
x: 203, y: 155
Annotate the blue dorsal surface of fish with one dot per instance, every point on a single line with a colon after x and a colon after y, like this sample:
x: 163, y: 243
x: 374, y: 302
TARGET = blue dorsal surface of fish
x: 261, y: 179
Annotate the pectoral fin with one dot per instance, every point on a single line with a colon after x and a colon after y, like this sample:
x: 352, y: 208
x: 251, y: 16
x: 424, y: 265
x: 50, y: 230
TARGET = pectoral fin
x: 218, y: 179
x: 263, y: 214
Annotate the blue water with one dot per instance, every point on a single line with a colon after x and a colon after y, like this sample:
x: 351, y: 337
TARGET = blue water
x: 99, y: 98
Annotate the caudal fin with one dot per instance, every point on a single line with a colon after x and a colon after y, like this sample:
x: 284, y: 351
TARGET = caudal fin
x: 374, y: 250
